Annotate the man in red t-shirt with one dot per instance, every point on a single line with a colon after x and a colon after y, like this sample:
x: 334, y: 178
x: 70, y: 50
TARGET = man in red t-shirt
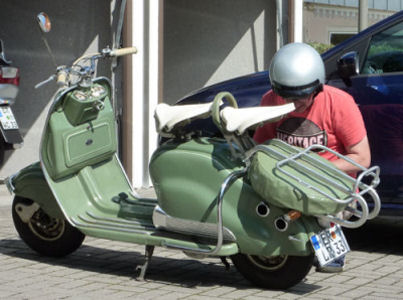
x: 331, y: 119
x: 323, y: 114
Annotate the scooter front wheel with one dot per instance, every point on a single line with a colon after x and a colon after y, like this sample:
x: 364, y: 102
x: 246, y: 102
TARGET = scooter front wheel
x: 276, y: 272
x: 46, y: 235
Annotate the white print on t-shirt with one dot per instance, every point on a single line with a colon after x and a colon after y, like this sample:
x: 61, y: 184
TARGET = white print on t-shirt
x: 301, y: 132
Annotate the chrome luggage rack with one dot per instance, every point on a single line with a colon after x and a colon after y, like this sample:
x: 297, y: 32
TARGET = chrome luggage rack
x: 356, y: 193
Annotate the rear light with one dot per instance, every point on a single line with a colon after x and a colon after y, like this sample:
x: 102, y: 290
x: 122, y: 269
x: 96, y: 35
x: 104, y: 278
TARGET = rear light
x: 9, y: 75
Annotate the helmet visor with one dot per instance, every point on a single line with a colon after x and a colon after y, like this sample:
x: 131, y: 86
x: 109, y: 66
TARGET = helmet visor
x: 296, y: 93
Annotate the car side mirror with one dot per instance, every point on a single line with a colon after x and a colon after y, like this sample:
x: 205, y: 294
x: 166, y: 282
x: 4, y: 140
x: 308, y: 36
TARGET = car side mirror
x: 347, y: 66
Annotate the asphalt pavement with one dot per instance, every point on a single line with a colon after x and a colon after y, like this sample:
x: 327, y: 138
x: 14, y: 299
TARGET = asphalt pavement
x: 102, y: 269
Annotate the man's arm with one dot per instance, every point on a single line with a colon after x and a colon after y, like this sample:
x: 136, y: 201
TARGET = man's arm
x: 359, y: 152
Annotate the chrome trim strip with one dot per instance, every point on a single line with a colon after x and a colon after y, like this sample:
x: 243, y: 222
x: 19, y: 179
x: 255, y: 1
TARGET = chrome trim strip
x: 9, y: 182
x: 162, y: 220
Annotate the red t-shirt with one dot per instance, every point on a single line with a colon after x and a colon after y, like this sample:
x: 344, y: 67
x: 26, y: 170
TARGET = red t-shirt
x: 333, y: 120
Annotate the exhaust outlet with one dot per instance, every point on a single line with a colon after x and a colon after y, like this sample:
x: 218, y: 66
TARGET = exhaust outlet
x: 281, y: 224
x: 262, y: 210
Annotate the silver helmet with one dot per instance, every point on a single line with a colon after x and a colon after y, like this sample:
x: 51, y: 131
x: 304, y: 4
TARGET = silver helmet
x: 296, y: 71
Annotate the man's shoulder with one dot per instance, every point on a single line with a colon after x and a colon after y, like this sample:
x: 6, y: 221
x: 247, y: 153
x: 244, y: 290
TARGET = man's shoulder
x: 269, y: 98
x: 336, y: 92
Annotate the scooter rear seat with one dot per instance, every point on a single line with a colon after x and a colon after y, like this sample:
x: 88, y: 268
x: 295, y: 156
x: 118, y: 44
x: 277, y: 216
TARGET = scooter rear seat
x: 240, y: 119
x: 168, y: 116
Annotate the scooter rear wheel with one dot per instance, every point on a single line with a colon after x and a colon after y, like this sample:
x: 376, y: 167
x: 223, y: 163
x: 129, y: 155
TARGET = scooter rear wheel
x: 46, y: 235
x: 277, y: 272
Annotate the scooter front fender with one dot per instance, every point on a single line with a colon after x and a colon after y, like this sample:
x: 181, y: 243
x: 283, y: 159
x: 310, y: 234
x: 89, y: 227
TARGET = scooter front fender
x: 30, y: 183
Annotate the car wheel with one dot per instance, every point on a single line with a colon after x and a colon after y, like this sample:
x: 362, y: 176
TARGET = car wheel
x: 276, y: 272
x: 2, y: 150
x: 46, y: 235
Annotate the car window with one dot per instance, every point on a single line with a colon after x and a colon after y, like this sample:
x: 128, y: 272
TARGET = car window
x: 385, y: 52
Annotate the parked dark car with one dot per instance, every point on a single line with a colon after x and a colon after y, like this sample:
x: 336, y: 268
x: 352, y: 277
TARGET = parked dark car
x: 369, y: 66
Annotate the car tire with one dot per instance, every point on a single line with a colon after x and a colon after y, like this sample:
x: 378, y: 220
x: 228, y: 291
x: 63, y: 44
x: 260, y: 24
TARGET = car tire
x: 2, y: 150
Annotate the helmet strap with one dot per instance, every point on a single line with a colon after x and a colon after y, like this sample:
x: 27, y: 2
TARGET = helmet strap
x: 318, y: 90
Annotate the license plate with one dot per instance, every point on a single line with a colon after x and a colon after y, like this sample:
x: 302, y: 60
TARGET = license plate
x: 329, y: 244
x: 7, y: 118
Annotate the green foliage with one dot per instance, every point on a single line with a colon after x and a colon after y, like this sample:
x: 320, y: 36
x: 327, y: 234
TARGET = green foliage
x: 320, y: 47
x: 382, y: 48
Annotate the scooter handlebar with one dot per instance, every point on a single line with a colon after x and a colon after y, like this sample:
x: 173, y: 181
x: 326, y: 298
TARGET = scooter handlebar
x: 123, y: 51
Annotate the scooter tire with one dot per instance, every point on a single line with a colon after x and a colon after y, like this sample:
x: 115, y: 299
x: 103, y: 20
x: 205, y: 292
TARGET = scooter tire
x: 278, y: 273
x: 48, y: 236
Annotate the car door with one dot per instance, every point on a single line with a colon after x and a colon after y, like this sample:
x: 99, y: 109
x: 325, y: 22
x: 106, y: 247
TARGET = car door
x: 378, y: 90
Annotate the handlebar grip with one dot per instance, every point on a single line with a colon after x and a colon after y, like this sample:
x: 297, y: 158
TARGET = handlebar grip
x: 61, y: 78
x: 123, y: 51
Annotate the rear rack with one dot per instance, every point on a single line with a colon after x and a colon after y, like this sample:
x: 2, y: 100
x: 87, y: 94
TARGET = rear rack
x: 310, y: 163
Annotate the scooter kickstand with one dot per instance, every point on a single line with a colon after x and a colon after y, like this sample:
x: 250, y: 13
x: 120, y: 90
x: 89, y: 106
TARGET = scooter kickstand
x: 143, y: 268
x: 225, y: 262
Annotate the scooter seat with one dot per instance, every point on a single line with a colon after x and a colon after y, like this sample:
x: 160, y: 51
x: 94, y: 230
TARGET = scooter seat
x: 167, y: 116
x: 240, y: 119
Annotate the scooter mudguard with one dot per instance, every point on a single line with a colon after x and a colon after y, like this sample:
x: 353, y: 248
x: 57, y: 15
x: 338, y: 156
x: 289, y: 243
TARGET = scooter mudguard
x: 187, y: 177
x: 30, y: 183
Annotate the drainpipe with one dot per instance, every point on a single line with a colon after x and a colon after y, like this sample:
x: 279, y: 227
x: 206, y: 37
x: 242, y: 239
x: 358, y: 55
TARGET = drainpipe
x: 279, y: 25
x: 295, y: 11
x: 363, y: 15
x: 142, y: 89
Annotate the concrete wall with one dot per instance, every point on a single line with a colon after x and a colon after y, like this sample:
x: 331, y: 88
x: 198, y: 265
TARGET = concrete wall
x: 209, y: 41
x: 77, y: 26
x: 320, y: 21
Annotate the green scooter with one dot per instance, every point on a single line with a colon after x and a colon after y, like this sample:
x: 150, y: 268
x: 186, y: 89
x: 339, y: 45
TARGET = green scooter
x: 273, y: 209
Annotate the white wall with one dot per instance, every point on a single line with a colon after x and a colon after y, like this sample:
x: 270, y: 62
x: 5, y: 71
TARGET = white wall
x: 210, y: 41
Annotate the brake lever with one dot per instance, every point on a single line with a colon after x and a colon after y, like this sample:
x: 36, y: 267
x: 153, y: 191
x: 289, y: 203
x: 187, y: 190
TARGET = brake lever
x: 38, y: 85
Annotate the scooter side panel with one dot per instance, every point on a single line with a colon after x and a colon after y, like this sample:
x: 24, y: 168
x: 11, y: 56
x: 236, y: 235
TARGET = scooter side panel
x: 187, y: 178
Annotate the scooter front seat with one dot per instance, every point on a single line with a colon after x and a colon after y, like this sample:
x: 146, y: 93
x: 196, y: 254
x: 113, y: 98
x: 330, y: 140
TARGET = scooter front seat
x: 167, y: 116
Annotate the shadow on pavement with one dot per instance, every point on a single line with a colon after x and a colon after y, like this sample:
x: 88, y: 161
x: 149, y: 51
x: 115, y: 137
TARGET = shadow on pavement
x: 376, y: 236
x: 379, y: 235
x: 187, y: 273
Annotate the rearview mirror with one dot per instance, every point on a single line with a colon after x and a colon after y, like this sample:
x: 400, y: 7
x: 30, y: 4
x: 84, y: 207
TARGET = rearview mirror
x: 44, y: 22
x: 347, y: 66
